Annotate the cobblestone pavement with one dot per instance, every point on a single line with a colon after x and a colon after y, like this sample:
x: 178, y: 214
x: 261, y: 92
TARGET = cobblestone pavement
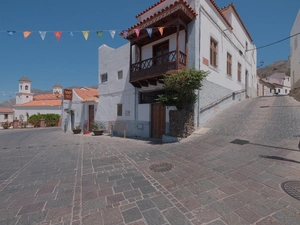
x: 228, y: 172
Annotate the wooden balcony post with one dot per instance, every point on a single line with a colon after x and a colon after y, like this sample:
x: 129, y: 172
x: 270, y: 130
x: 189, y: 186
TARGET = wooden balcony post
x: 177, y: 47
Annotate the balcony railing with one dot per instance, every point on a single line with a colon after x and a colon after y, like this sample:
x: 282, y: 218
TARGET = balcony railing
x: 156, y: 66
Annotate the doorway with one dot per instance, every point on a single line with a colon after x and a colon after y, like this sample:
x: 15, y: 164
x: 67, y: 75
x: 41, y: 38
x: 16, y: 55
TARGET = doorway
x: 91, y: 117
x: 158, y: 120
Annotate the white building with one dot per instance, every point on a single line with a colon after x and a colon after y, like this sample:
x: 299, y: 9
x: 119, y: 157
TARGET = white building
x: 183, y: 34
x: 27, y: 104
x: 6, y: 115
x: 281, y: 83
x: 80, y: 111
x: 295, y: 53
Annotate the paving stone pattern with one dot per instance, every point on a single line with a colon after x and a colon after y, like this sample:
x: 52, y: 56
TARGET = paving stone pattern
x: 51, y: 177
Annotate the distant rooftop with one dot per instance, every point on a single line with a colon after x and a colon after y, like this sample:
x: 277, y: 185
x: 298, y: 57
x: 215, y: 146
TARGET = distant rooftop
x: 57, y: 85
x: 25, y: 79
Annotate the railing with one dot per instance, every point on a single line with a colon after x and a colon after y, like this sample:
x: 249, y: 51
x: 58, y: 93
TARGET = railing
x: 221, y: 99
x: 157, y: 65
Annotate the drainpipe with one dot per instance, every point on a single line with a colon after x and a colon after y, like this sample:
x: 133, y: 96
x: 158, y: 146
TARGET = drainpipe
x: 198, y: 110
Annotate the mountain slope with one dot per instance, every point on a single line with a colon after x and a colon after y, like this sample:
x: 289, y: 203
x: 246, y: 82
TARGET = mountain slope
x: 282, y: 66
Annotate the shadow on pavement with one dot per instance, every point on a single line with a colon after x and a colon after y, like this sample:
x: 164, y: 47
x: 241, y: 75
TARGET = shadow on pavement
x: 278, y: 158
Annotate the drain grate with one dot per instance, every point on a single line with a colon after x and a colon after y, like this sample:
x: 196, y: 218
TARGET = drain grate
x: 161, y: 167
x: 292, y: 188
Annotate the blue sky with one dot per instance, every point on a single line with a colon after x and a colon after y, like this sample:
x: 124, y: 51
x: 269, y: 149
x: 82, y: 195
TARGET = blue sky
x: 74, y: 61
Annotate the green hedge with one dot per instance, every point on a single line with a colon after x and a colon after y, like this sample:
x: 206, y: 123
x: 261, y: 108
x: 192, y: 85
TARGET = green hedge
x: 51, y: 119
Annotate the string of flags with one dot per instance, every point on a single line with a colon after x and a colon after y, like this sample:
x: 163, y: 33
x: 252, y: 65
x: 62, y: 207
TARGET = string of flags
x: 85, y: 33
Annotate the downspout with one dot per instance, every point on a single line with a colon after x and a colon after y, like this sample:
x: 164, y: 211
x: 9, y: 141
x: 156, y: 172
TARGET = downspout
x: 198, y: 110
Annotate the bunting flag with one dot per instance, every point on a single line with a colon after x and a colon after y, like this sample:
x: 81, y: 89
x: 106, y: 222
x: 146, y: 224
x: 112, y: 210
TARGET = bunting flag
x: 11, y: 32
x: 99, y: 33
x: 26, y: 34
x: 112, y: 33
x: 125, y: 33
x: 57, y: 34
x: 149, y: 30
x: 71, y: 34
x: 43, y: 34
x: 161, y: 30
x: 137, y: 31
x: 85, y: 34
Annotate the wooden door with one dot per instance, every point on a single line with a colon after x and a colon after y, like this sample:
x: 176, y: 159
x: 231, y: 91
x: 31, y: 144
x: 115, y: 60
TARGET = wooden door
x: 91, y: 117
x: 158, y: 121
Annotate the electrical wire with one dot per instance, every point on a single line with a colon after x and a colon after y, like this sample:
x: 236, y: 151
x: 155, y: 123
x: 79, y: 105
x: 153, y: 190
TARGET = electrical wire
x: 276, y: 42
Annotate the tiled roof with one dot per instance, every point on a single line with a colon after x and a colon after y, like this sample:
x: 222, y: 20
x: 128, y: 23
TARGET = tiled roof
x: 162, y: 11
x: 87, y: 94
x: 158, y: 3
x: 6, y: 110
x: 47, y: 97
x: 25, y: 79
x: 234, y: 9
x: 57, y: 85
x: 41, y: 103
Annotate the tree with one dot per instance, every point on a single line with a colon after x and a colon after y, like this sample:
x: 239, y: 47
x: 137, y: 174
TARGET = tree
x: 180, y: 87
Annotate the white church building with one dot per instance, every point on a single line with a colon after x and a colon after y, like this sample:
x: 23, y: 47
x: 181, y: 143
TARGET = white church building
x: 28, y: 104
x: 174, y: 35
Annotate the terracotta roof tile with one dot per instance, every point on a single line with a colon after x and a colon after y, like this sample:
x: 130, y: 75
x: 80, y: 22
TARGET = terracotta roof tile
x: 6, y: 110
x: 47, y: 96
x: 148, y: 9
x: 41, y: 103
x: 87, y: 94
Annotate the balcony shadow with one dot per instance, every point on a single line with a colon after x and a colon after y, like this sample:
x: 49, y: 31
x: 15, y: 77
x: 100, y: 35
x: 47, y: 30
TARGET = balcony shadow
x: 278, y: 158
x: 244, y: 142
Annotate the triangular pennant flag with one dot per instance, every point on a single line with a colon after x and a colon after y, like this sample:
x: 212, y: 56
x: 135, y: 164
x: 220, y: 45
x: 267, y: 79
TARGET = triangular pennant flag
x: 11, y: 32
x: 137, y: 31
x: 85, y: 34
x: 125, y: 33
x: 112, y: 33
x: 149, y: 30
x: 71, y: 34
x: 161, y: 30
x: 99, y: 33
x: 57, y: 34
x: 26, y: 34
x: 43, y: 34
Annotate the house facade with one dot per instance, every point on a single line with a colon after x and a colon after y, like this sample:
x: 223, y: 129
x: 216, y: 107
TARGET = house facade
x: 173, y: 35
x: 28, y: 104
x: 80, y: 110
x: 295, y: 53
x: 281, y: 83
x: 6, y: 114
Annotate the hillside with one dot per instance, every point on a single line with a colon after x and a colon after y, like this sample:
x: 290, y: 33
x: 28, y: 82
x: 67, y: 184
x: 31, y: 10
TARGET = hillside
x: 282, y: 66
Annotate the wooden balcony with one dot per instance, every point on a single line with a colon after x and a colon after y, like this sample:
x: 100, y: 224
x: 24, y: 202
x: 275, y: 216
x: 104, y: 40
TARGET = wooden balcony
x: 149, y: 71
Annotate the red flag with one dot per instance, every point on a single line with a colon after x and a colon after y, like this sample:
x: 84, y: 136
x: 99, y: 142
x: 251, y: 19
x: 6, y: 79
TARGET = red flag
x: 137, y: 31
x: 57, y: 34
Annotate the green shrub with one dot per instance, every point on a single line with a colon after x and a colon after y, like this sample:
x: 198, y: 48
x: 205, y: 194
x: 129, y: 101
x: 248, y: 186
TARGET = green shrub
x: 51, y: 119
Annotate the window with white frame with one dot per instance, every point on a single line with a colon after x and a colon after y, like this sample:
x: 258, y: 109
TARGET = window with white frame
x: 120, y: 74
x: 229, y: 64
x: 213, y: 52
x: 103, y: 77
x: 239, y: 72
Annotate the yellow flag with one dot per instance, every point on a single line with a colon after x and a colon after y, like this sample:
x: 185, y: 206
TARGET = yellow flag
x: 26, y: 34
x: 85, y: 34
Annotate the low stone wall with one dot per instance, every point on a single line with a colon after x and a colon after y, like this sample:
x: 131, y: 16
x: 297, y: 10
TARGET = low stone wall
x: 181, y: 123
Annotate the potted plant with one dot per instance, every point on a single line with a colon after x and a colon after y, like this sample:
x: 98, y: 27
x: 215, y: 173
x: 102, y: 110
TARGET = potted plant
x: 77, y: 129
x: 97, y: 129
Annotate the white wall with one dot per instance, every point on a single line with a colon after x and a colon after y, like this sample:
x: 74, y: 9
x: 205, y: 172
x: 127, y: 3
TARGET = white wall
x: 9, y: 119
x: 295, y: 53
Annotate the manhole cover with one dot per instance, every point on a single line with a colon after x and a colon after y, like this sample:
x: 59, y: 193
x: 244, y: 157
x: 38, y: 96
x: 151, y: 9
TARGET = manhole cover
x: 292, y: 188
x: 161, y: 167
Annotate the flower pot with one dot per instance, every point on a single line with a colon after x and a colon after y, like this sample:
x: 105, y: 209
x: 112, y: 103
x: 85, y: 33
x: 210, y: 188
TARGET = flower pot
x: 98, y: 132
x: 77, y: 131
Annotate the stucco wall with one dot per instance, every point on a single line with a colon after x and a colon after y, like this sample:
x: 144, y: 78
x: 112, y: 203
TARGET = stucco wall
x: 9, y: 119
x: 295, y: 53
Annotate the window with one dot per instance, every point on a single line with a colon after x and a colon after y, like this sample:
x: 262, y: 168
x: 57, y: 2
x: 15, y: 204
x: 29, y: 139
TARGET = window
x: 120, y: 74
x: 21, y: 87
x: 6, y: 116
x: 213, y: 52
x: 278, y: 90
x: 270, y: 90
x: 119, y: 109
x: 285, y: 91
x: 103, y: 77
x: 26, y: 87
x: 239, y: 72
x: 229, y: 64
x: 160, y: 53
x: 26, y: 96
